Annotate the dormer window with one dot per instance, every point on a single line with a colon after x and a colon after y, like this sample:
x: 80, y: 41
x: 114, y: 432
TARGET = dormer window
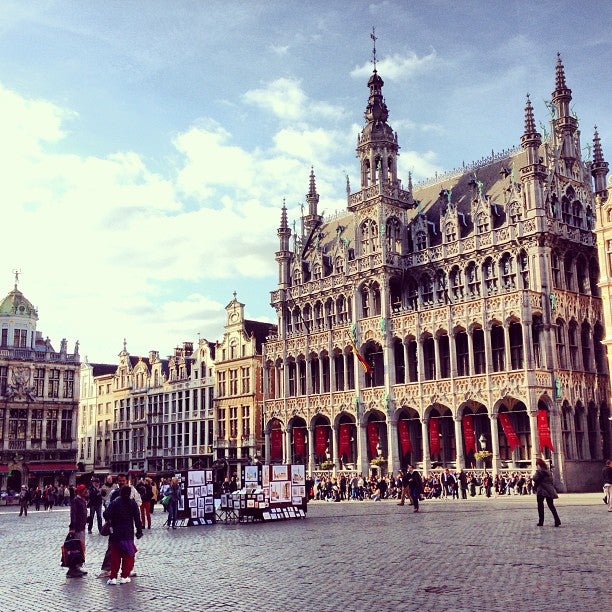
x: 421, y: 241
x: 515, y: 212
x: 450, y: 232
x: 482, y: 223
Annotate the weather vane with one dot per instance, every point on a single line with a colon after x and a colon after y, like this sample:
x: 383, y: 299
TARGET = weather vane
x: 374, y: 38
x: 16, y: 272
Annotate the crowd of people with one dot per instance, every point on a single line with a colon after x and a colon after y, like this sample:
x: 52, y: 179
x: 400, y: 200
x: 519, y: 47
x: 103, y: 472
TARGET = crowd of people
x: 444, y: 484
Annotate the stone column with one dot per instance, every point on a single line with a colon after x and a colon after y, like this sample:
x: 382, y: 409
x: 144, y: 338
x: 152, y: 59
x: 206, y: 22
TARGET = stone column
x: 437, y: 357
x: 507, y: 358
x: 460, y: 462
x: 288, y: 453
x: 311, y: 454
x: 333, y: 441
x: 452, y: 353
x: 267, y: 444
x: 488, y: 354
x: 392, y: 447
x: 362, y: 449
x: 535, y: 441
x: 425, y: 436
x: 495, y: 463
x: 470, y: 339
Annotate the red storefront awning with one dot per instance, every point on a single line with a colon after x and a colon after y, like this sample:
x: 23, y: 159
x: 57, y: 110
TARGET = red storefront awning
x: 52, y: 467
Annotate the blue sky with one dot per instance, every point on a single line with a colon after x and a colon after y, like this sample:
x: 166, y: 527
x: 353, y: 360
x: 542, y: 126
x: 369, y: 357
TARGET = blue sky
x: 148, y: 145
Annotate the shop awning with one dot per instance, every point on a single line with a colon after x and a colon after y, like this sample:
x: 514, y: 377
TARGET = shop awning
x: 4, y: 469
x: 52, y: 467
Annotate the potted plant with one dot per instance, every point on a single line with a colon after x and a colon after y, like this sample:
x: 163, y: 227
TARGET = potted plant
x: 327, y: 465
x: 378, y: 461
x: 483, y: 455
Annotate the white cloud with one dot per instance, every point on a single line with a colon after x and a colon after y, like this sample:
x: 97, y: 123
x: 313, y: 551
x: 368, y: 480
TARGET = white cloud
x: 398, y: 67
x: 286, y: 99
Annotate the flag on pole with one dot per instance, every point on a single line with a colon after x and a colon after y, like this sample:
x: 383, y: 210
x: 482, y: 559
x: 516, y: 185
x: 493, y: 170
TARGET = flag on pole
x: 362, y: 360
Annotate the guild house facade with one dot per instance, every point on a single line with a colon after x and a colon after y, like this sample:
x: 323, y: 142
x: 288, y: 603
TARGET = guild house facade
x: 455, y: 323
x: 39, y: 390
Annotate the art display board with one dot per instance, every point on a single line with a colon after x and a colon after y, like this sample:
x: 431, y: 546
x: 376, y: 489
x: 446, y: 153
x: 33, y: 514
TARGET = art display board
x: 196, y: 504
x: 270, y: 492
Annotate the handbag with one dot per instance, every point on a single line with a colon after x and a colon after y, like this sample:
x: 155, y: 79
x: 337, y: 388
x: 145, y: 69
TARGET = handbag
x: 73, y: 552
x: 166, y: 500
x: 106, y: 529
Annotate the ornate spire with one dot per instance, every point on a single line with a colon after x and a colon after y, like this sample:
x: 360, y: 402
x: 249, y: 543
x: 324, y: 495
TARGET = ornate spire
x: 560, y: 74
x: 599, y: 168
x: 377, y: 143
x: 530, y: 126
x: 312, y: 197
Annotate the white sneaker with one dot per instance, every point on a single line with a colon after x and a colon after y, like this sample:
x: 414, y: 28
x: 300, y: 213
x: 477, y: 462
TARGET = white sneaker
x: 111, y: 581
x: 125, y: 580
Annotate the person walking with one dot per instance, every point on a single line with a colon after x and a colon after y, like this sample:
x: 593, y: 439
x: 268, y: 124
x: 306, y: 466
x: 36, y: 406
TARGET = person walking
x: 607, y: 479
x: 146, y: 493
x: 76, y: 529
x: 95, y: 505
x: 124, y: 518
x: 544, y: 490
x: 24, y: 500
x: 415, y: 486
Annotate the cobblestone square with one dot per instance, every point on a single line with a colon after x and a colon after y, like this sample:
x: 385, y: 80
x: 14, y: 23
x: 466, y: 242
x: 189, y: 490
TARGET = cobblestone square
x: 478, y: 554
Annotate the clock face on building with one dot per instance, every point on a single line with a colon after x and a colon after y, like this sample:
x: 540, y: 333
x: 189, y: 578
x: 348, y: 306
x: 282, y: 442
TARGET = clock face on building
x: 234, y: 317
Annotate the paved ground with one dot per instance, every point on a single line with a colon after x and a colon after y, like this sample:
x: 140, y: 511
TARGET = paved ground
x: 479, y: 554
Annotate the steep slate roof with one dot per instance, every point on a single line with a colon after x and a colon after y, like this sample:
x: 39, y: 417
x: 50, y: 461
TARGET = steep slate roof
x: 260, y: 330
x: 103, y: 369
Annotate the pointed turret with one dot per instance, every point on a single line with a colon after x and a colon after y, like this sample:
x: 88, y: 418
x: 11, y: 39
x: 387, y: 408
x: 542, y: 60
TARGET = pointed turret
x: 313, y: 218
x: 283, y: 255
x: 531, y: 138
x: 599, y: 168
x: 565, y: 125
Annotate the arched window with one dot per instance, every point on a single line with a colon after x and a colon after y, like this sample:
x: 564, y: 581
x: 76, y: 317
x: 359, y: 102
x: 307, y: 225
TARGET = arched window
x: 394, y: 235
x: 376, y: 302
x: 523, y: 268
x: 585, y: 340
x: 515, y: 332
x: 441, y: 287
x: 568, y: 265
x: 560, y: 343
x: 473, y: 280
x: 508, y: 274
x: 427, y: 290
x: 456, y: 283
x: 572, y: 341
x: 490, y: 276
x: 556, y: 270
x: 369, y: 236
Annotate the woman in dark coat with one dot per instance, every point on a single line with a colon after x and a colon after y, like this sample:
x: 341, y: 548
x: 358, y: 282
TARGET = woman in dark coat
x: 545, y: 490
x: 123, y: 515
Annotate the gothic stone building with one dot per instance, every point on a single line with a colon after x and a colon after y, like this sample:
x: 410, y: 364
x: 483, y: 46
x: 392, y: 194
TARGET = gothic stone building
x: 433, y: 322
x: 38, y: 400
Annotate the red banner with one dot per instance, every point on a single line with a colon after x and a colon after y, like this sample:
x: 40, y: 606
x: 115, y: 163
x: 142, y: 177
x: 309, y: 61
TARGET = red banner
x: 506, y: 423
x: 404, y: 437
x: 544, y: 430
x: 344, y: 440
x: 434, y: 436
x: 373, y: 439
x: 299, y: 442
x: 320, y: 440
x: 276, y: 445
x: 469, y: 437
